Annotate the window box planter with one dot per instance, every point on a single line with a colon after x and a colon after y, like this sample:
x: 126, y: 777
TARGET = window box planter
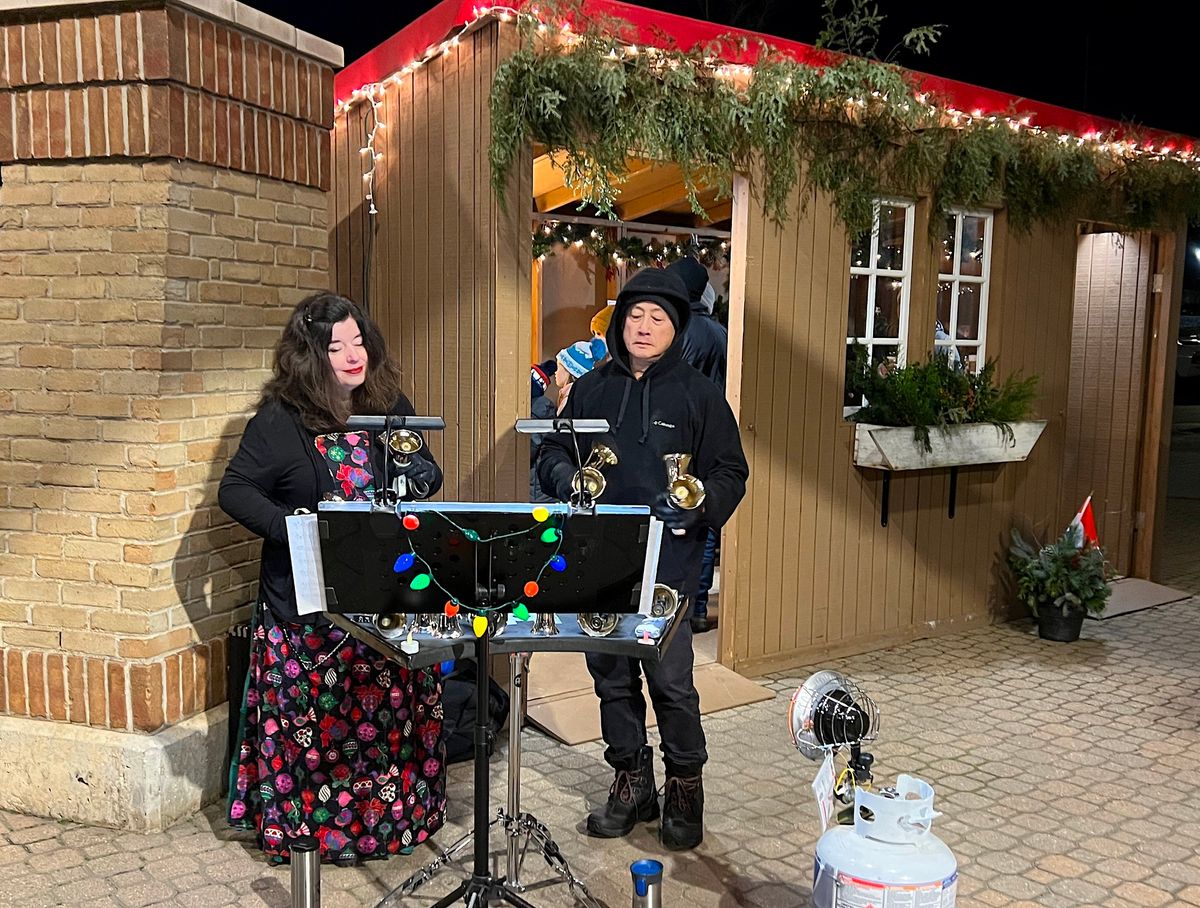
x: 894, y: 449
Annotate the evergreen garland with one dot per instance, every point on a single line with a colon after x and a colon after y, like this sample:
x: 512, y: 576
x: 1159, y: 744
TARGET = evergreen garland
x: 554, y: 235
x: 852, y: 128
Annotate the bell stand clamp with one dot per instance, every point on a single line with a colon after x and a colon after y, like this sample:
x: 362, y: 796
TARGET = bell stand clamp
x: 359, y: 544
x: 574, y: 428
x: 386, y: 495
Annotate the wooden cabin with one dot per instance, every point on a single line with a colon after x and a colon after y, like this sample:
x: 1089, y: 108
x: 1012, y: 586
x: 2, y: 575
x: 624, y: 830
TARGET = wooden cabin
x: 807, y: 568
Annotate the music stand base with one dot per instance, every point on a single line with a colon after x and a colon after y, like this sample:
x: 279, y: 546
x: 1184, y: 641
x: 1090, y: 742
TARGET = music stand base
x: 536, y: 833
x: 430, y: 870
x: 478, y: 892
x: 525, y: 826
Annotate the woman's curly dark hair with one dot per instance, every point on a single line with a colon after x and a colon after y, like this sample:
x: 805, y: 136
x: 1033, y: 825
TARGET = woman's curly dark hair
x: 304, y: 379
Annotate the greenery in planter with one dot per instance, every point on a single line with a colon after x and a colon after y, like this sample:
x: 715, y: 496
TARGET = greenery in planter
x: 1060, y: 574
x: 937, y: 394
x: 852, y: 127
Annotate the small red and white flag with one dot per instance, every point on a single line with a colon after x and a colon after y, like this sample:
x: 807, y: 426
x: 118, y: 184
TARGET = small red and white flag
x: 1083, y: 527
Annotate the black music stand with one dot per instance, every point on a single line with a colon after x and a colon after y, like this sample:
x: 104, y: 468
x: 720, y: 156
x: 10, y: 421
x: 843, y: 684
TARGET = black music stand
x: 481, y: 556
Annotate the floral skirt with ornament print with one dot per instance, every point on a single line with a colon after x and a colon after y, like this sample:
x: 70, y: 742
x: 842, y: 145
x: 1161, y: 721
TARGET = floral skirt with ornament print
x: 337, y: 742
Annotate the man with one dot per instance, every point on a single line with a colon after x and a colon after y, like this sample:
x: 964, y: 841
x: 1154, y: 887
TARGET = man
x: 705, y: 339
x: 705, y: 342
x: 655, y: 404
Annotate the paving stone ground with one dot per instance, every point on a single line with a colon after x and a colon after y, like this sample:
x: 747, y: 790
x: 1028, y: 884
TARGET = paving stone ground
x: 1065, y: 775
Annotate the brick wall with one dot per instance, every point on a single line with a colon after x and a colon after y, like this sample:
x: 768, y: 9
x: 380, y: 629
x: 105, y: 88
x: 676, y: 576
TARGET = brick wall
x: 139, y: 305
x: 140, y: 296
x: 159, y: 82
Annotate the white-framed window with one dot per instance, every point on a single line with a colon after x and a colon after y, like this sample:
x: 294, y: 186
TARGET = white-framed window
x: 964, y: 270
x: 880, y: 286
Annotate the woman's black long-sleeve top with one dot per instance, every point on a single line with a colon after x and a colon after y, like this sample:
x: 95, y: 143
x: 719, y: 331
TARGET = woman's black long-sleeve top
x: 277, y: 470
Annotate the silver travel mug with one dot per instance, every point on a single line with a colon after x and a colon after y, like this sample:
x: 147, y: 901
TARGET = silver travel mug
x: 306, y: 872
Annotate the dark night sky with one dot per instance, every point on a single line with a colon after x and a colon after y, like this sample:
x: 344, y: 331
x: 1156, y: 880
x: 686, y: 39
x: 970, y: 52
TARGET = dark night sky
x: 1128, y: 64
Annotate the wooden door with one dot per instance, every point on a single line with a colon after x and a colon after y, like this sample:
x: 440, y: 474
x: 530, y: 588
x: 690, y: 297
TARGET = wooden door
x: 1106, y: 399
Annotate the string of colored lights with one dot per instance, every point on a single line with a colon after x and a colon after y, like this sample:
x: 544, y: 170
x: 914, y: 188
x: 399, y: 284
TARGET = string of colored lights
x: 373, y: 92
x: 550, y: 534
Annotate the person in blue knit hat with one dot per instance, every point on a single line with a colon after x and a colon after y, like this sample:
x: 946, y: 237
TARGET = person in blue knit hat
x: 582, y: 357
x: 550, y: 384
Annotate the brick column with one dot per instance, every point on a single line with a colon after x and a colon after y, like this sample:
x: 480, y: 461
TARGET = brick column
x: 162, y: 206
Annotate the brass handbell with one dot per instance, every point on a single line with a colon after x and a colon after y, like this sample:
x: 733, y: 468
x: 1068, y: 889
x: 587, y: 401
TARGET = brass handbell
x: 593, y: 480
x: 598, y: 624
x: 686, y: 491
x: 405, y: 443
x: 664, y: 603
x: 543, y: 625
x: 391, y: 624
x: 446, y: 628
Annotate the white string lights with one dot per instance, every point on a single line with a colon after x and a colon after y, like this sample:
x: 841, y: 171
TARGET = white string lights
x: 373, y: 93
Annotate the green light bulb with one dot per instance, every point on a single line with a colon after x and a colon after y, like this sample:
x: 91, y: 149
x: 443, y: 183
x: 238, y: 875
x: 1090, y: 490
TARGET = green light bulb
x: 550, y: 535
x: 420, y: 582
x: 521, y: 613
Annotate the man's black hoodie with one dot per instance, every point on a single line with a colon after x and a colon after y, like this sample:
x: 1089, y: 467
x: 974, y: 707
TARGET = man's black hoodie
x: 671, y: 409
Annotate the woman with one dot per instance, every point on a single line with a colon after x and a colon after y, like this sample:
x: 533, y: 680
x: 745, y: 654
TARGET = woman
x: 336, y: 741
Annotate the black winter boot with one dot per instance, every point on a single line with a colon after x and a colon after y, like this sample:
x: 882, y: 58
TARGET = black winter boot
x: 683, y: 811
x: 631, y: 798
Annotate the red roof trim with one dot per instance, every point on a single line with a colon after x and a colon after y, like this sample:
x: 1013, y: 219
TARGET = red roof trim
x: 406, y: 46
x: 668, y: 30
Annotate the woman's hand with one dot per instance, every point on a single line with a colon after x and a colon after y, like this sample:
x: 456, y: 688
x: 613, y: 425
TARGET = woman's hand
x: 417, y: 469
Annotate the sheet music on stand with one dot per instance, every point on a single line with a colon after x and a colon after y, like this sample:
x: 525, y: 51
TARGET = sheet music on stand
x: 304, y: 544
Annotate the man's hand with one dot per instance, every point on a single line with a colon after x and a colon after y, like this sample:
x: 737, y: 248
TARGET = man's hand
x: 679, y: 520
x: 561, y: 478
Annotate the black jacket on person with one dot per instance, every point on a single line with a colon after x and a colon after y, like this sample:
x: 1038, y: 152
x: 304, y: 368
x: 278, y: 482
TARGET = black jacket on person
x: 705, y: 341
x: 276, y: 470
x: 671, y: 409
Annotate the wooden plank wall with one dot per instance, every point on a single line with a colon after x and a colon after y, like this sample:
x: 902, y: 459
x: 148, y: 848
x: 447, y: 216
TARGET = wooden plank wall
x: 1104, y: 418
x: 450, y: 272
x: 814, y: 572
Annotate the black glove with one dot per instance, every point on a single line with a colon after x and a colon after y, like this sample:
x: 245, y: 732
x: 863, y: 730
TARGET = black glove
x: 560, y: 481
x: 676, y: 518
x: 419, y: 473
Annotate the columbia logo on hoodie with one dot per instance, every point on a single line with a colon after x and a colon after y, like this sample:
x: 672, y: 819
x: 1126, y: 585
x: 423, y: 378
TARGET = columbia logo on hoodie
x: 665, y: 425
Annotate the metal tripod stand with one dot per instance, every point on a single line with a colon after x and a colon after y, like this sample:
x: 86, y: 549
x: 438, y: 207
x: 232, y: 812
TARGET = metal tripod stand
x: 522, y: 829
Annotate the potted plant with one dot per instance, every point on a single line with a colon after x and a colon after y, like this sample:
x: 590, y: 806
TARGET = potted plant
x: 937, y: 414
x: 1061, y: 582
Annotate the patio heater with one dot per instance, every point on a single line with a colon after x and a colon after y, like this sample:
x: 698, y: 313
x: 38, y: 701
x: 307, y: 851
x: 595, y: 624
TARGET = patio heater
x: 881, y: 851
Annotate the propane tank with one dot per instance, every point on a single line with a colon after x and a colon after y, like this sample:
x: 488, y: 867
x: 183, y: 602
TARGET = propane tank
x: 889, y: 856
